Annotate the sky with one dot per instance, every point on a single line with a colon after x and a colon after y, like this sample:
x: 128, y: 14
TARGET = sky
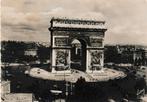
x: 29, y: 20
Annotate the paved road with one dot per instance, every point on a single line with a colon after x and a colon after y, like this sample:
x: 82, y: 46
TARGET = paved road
x: 73, y: 75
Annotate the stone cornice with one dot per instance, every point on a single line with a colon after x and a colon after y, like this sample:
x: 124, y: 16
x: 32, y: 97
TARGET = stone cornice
x: 75, y: 29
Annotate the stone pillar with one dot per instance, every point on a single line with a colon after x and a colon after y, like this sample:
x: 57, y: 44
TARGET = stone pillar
x: 94, y: 60
x: 95, y: 53
x: 53, y: 64
x: 88, y: 60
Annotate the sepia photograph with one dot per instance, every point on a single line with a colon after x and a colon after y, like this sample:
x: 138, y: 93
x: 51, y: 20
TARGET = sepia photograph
x: 73, y: 51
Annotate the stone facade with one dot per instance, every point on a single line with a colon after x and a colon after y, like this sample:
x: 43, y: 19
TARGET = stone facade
x: 90, y: 33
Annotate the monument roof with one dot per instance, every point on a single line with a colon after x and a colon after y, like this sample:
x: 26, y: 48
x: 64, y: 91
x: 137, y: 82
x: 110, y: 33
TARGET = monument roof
x: 77, y: 23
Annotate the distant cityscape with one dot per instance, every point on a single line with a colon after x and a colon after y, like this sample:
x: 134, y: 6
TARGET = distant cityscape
x: 18, y: 56
x: 35, y: 52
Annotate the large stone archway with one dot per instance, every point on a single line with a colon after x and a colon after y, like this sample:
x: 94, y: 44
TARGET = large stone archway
x: 88, y: 32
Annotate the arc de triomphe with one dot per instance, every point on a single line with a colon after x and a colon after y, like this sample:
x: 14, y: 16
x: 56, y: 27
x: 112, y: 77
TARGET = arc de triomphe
x: 90, y: 34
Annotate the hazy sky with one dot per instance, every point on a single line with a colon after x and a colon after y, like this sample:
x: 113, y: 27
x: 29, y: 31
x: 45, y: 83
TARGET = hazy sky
x: 28, y: 20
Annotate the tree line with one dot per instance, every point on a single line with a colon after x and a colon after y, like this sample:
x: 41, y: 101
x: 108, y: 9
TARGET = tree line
x: 126, y: 55
x: 14, y: 52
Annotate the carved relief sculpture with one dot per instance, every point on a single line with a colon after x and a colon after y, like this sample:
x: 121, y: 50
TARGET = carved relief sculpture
x: 96, y: 58
x: 61, y: 57
x: 61, y: 41
x: 96, y: 42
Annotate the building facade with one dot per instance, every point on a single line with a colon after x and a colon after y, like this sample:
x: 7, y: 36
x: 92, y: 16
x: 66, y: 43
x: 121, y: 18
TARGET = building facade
x: 5, y: 87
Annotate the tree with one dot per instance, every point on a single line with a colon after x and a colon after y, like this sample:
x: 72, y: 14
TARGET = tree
x: 43, y: 53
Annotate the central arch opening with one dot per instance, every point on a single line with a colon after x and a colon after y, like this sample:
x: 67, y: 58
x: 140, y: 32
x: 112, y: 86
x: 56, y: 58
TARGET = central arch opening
x: 78, y: 54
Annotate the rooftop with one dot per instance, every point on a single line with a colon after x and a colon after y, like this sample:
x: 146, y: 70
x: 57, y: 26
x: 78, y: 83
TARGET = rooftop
x: 18, y: 97
x: 5, y: 82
